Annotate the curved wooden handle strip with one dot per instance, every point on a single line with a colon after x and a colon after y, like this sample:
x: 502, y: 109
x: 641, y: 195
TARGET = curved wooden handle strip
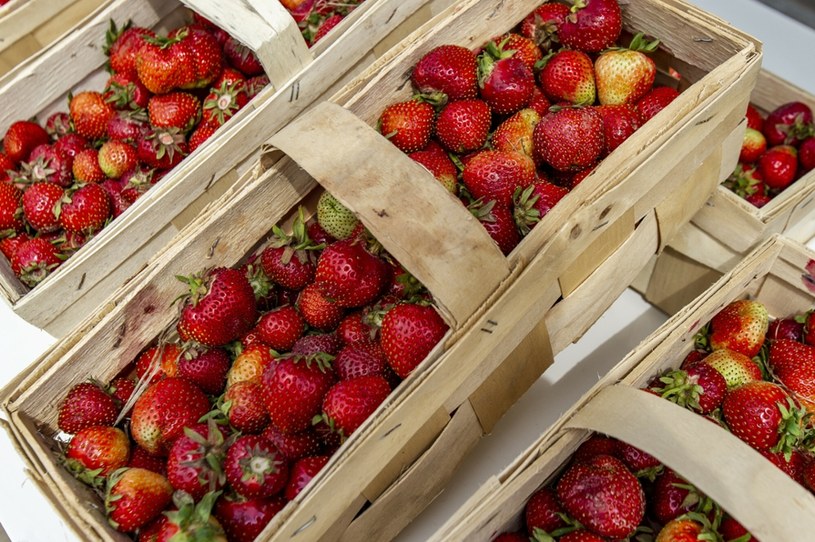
x: 266, y: 28
x: 426, y: 228
x: 759, y: 495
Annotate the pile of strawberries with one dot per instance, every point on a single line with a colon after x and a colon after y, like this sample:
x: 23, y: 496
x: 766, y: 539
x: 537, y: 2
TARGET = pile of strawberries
x: 513, y: 128
x: 275, y: 364
x: 777, y: 151
x: 317, y: 17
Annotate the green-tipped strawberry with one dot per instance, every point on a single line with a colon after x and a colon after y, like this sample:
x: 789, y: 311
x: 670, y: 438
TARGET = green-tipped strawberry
x: 116, y: 158
x: 737, y: 369
x: 336, y: 219
x: 625, y: 75
x: 569, y: 75
x: 740, y: 326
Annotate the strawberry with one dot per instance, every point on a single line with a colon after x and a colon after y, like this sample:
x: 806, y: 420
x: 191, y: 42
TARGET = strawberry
x: 569, y: 139
x: 357, y: 328
x: 408, y: 125
x: 219, y: 308
x: 349, y: 402
x: 302, y: 472
x: 325, y: 27
x: 134, y: 497
x: 463, y: 126
x: 792, y: 466
x: 785, y: 328
x: 592, y: 25
x: 792, y: 364
x: 581, y: 536
x: 541, y: 26
x: 21, y: 138
x: 95, y: 452
x: 205, y: 54
x: 34, y: 260
x: 194, y: 463
x: 439, y: 164
x: 349, y: 275
x: 700, y: 387
x: 47, y: 164
x: 806, y: 155
x: 123, y: 46
x: 230, y: 78
x: 779, y: 166
x: 84, y: 209
x: 496, y: 175
x: 207, y: 369
x: 246, y: 411
x: 317, y: 310
x: 733, y: 531
x: 753, y: 146
x: 200, y: 135
x: 639, y: 462
x: 162, y: 65
x: 309, y: 345
x: 603, y: 495
x: 809, y: 328
x: 223, y: 102
x: 505, y: 81
x: 179, y: 110
x: 116, y: 158
x: 69, y: 145
x: 596, y: 445
x: 409, y: 332
x: 128, y: 127
x: 249, y: 365
x: 162, y: 412
x: 543, y: 512
x: 281, y: 327
x: 740, y: 326
x: 625, y: 75
x: 294, y: 446
x: 140, y: 458
x: 497, y: 219
x: 166, y: 356
x: 244, y: 519
x: 255, y: 468
x: 515, y: 133
x: 11, y: 208
x: 619, y: 123
x: 687, y: 529
x: 655, y: 101
x: 58, y: 124
x: 517, y: 536
x: 126, y: 93
x: 255, y: 85
x: 241, y: 57
x: 86, y: 405
x: 290, y: 260
x: 526, y: 50
x: 569, y: 75
x: 191, y: 521
x: 788, y: 124
x: 673, y: 496
x: 737, y: 369
x: 337, y: 220
x: 294, y: 390
x: 121, y: 388
x: 447, y: 69
x: 90, y: 114
x: 534, y: 202
x: 86, y: 168
x: 363, y: 359
x: 9, y: 245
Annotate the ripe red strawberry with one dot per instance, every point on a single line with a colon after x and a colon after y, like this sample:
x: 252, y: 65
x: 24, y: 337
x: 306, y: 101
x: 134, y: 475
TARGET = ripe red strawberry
x: 753, y: 146
x: 249, y: 365
x: 349, y: 402
x: 779, y: 166
x: 121, y: 388
x: 597, y: 445
x: 34, y: 260
x: 9, y: 245
x: 541, y: 26
x: 317, y: 310
x: 737, y: 369
x: 205, y: 54
x: 162, y: 65
x: 11, y: 209
x: 792, y: 466
x: 496, y: 175
x: 408, y: 125
x: 69, y: 145
x: 294, y: 446
x: 246, y: 411
x: 166, y: 356
x: 95, y: 452
x: 569, y: 76
x: 619, y: 123
x: 45, y: 164
x: 255, y: 468
x: 809, y: 328
x: 673, y: 496
x: 603, y: 495
x: 505, y: 81
x: 731, y: 530
x: 206, y: 369
x: 581, y: 536
x: 84, y: 209
x: 244, y: 519
x: 592, y: 25
x: 409, y: 333
x: 86, y: 405
x: 638, y: 462
x: 515, y: 134
x: 788, y: 124
x: 624, y: 76
x: 179, y: 110
x: 806, y: 155
x: 86, y: 168
x: 350, y: 275
x: 134, y: 497
x: 128, y: 127
x: 326, y: 26
x: 534, y: 202
x: 792, y: 364
x: 139, y: 458
x: 126, y: 93
x: 337, y: 220
x: 543, y: 512
x: 655, y: 101
x: 294, y: 389
x: 755, y: 119
x: 785, y: 328
x: 58, y: 124
x: 242, y: 58
x: 497, y: 219
x: 436, y: 161
x: 686, y: 530
x: 517, y: 536
x: 200, y: 135
x: 447, y: 69
x: 700, y: 387
x: 191, y: 521
x: 21, y: 138
x: 255, y: 85
x: 309, y: 345
x: 223, y: 102
x: 90, y: 114
x: 123, y: 46
x: 302, y: 472
x: 526, y: 50
x: 740, y: 326
x: 116, y: 158
x: 231, y: 78
x: 162, y: 412
x: 764, y: 416
x: 219, y: 309
x: 363, y: 359
x: 194, y: 463
x: 570, y: 139
x: 290, y: 260
x: 281, y: 327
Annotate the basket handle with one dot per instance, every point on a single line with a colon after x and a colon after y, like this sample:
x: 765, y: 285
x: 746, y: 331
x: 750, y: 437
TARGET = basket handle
x: 425, y: 227
x: 266, y: 28
x: 759, y: 495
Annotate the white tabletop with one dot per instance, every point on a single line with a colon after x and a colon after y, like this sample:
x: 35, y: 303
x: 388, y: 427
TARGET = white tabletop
x: 27, y: 516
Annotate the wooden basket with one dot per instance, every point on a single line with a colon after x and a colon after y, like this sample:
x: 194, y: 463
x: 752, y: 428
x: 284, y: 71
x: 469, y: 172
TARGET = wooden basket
x: 299, y: 77
x: 727, y: 227
x: 759, y: 495
x: 501, y: 310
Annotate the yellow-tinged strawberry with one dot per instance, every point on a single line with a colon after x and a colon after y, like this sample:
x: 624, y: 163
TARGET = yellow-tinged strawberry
x: 516, y: 133
x: 740, y: 326
x: 134, y: 497
x: 623, y: 76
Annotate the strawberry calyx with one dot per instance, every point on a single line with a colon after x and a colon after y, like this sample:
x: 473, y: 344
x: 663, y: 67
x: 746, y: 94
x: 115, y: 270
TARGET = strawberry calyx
x: 111, y: 498
x: 744, y: 182
x: 492, y: 53
x: 124, y: 96
x: 701, y: 340
x: 710, y: 530
x: 791, y: 430
x: 798, y: 130
x: 213, y: 449
x: 113, y: 33
x: 36, y: 171
x: 638, y: 43
x: 571, y: 525
x: 321, y: 359
x: 166, y: 142
x: 330, y: 424
x: 680, y: 388
x: 90, y: 477
x: 524, y: 212
x: 224, y: 104
x: 700, y: 502
x: 194, y: 520
x: 297, y: 242
x: 163, y: 42
x: 261, y: 285
x: 197, y: 286
x: 257, y: 464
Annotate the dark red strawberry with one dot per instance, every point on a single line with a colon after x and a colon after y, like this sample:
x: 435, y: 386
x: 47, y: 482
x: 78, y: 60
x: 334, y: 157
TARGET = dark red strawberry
x: 543, y: 512
x: 294, y: 446
x: 326, y: 26
x: 740, y: 326
x: 596, y: 445
x: 496, y: 175
x: 349, y: 275
x: 281, y: 327
x: 179, y: 110
x: 363, y: 359
x: 785, y: 328
x: 619, y: 123
x: 223, y: 102
x: 655, y: 101
x: 95, y: 452
x: 506, y: 83
x: 779, y: 166
x: 581, y: 536
x: 21, y: 138
x: 534, y: 202
x: 302, y: 472
x: 290, y: 260
x: 592, y: 25
x: 792, y: 364
x: 569, y: 76
x: 447, y: 69
x: 294, y: 390
x: 806, y: 155
x: 639, y: 462
x: 788, y: 124
x: 700, y: 387
x: 206, y: 369
x: 135, y: 497
x: 162, y: 149
x: 11, y: 208
x: 34, y: 260
x: 255, y: 468
x: 194, y: 463
x: 123, y: 46
x: 792, y: 466
x: 220, y: 307
x: 84, y: 209
x: 408, y: 125
x: 733, y: 531
x: 517, y: 536
x: 570, y: 139
x: 255, y: 85
x: 673, y: 496
x: 409, y: 333
x: 86, y: 405
x: 244, y: 519
x: 498, y: 220
x: 349, y: 402
x: 309, y: 345
x: 58, y: 124
x: 357, y: 328
x: 542, y: 25
x: 242, y: 58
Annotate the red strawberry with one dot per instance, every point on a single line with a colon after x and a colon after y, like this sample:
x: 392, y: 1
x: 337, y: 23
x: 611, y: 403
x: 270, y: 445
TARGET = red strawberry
x: 244, y: 519
x: 281, y: 327
x: 290, y: 260
x: 21, y: 138
x: 46, y: 164
x: 700, y: 387
x: 619, y: 123
x: 655, y: 101
x: 294, y: 390
x: 731, y: 530
x: 809, y: 328
x: 34, y: 260
x: 497, y: 219
x: 223, y: 102
x: 518, y: 536
x: 317, y: 310
x: 86, y: 168
x: 204, y: 51
x: 792, y: 467
x: 409, y: 333
x: 543, y: 511
x: 569, y: 76
x: 123, y: 46
x: 84, y: 209
x: 255, y: 468
x: 140, y: 458
x: 9, y: 245
x: 302, y: 472
x: 191, y: 521
x: 673, y: 496
x: 309, y: 345
x: 625, y: 75
x: 350, y: 275
x: 231, y: 78
x: 249, y: 365
x: 326, y: 26
x: 11, y: 208
x: 95, y: 452
x: 206, y: 369
x: 515, y: 134
x: 496, y: 175
x: 603, y: 495
x: 448, y: 69
x: 569, y: 139
x: 534, y: 202
x: 179, y: 110
x: 408, y: 125
x: 755, y: 119
x: 505, y: 81
x: 122, y: 388
x: 357, y: 360
x: 542, y: 25
x: 349, y: 402
x: 220, y: 307
x: 753, y: 146
x: 792, y: 364
x: 134, y: 497
x: 126, y: 93
x: 162, y: 64
x: 200, y: 135
x: 194, y: 463
x: 686, y: 530
x: 162, y: 412
x: 69, y: 145
x: 294, y: 446
x: 592, y: 25
x: 246, y: 411
x: 638, y: 462
x: 242, y: 58
x: 779, y: 166
x: 436, y: 161
x: 116, y: 158
x: 785, y: 328
x: 581, y: 536
x: 740, y: 326
x: 806, y: 155
x: 526, y: 50
x: 86, y: 405
x: 90, y: 114
x: 58, y: 124
x: 166, y: 356
x: 737, y: 369
x: 788, y: 124
x: 594, y: 446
